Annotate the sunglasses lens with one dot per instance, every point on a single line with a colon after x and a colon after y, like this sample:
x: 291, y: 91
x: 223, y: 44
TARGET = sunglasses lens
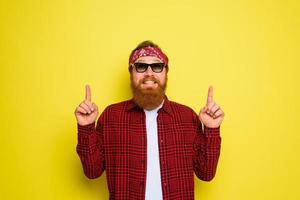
x: 140, y: 67
x: 157, y: 67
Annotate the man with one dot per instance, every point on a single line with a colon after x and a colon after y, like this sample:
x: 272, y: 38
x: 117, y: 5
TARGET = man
x: 148, y: 145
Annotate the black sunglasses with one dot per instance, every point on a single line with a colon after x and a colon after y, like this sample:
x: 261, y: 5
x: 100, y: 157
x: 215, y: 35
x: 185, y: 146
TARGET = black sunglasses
x: 155, y: 67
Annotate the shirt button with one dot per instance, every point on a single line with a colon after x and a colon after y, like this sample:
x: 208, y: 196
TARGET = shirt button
x: 161, y: 141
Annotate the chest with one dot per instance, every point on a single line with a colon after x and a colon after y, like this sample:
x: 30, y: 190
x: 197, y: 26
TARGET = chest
x: 129, y: 133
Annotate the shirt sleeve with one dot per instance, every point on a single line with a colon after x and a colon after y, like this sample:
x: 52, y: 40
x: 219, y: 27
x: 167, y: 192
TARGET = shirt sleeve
x: 206, y: 147
x: 90, y: 149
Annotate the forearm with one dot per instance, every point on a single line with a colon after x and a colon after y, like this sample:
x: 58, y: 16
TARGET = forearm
x: 206, y: 153
x: 90, y: 150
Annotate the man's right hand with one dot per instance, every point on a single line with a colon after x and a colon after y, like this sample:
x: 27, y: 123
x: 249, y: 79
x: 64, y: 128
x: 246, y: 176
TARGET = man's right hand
x: 87, y: 112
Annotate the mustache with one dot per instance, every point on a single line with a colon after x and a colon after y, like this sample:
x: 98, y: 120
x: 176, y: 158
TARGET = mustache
x: 149, y: 78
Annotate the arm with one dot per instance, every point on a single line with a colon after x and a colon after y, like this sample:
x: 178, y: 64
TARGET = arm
x: 90, y: 140
x: 90, y: 149
x: 207, y: 143
x: 206, y: 151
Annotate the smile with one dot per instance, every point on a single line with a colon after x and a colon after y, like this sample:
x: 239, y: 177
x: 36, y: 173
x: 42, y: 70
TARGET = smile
x: 149, y: 82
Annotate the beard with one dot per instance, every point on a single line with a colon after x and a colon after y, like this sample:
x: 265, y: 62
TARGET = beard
x: 148, y: 98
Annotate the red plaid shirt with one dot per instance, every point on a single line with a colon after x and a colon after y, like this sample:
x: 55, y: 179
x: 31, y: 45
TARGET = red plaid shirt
x: 118, y: 145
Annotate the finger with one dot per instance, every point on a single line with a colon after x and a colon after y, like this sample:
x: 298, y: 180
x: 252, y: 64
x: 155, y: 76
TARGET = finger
x: 87, y: 93
x: 218, y: 113
x: 86, y: 107
x: 95, y: 107
x: 210, y: 95
x: 81, y: 110
x: 85, y: 110
x: 90, y: 105
x: 214, y: 108
x: 209, y: 107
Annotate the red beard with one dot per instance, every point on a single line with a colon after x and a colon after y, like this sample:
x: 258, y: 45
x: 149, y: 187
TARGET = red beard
x: 148, y: 98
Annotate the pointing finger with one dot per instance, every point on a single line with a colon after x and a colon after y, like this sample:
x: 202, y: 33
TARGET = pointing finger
x: 87, y: 93
x: 210, y: 95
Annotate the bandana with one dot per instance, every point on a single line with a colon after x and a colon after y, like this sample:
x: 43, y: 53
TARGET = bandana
x: 148, y: 51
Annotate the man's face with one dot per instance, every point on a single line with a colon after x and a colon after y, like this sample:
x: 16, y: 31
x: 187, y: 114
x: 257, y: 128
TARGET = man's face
x: 148, y: 87
x: 148, y: 80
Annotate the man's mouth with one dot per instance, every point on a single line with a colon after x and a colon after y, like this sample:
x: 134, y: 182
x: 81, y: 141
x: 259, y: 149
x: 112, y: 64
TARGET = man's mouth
x: 149, y: 82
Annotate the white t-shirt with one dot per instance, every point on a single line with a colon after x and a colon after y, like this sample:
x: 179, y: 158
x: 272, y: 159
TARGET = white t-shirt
x: 153, y: 180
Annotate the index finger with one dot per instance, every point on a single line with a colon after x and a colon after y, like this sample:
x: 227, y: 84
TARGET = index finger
x: 210, y: 95
x: 87, y: 93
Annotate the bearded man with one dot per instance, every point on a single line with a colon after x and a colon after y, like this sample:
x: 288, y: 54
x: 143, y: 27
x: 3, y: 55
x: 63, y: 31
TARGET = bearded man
x: 149, y: 146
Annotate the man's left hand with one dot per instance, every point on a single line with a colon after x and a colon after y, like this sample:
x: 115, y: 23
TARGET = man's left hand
x: 211, y: 114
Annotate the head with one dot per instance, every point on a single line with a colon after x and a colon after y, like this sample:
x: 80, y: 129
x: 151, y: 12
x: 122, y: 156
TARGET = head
x: 148, y: 67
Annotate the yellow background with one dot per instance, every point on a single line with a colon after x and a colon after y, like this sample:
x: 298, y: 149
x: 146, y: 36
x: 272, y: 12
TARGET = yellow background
x: 248, y: 50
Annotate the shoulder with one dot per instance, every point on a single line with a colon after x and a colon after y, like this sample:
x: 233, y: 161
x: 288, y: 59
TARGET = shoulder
x: 181, y: 110
x: 114, y: 111
x: 175, y: 106
x: 119, y: 106
x: 183, y: 114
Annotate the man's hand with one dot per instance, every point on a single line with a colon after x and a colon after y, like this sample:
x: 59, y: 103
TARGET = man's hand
x: 211, y: 115
x: 87, y: 112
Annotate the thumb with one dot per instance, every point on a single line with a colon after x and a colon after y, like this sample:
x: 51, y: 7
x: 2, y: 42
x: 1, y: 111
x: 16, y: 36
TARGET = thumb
x: 95, y: 107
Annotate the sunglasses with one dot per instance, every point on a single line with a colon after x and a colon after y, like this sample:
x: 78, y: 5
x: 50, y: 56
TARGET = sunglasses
x: 155, y: 67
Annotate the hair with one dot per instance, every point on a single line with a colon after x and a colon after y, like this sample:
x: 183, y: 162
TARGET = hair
x: 146, y: 43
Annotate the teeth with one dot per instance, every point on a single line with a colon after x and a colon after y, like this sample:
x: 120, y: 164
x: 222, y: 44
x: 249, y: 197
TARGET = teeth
x: 149, y: 82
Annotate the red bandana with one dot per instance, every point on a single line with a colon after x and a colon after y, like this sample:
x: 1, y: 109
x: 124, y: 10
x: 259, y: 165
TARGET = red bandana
x: 148, y: 51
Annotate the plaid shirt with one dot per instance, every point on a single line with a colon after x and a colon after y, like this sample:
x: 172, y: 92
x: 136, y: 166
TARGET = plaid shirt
x: 118, y: 145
